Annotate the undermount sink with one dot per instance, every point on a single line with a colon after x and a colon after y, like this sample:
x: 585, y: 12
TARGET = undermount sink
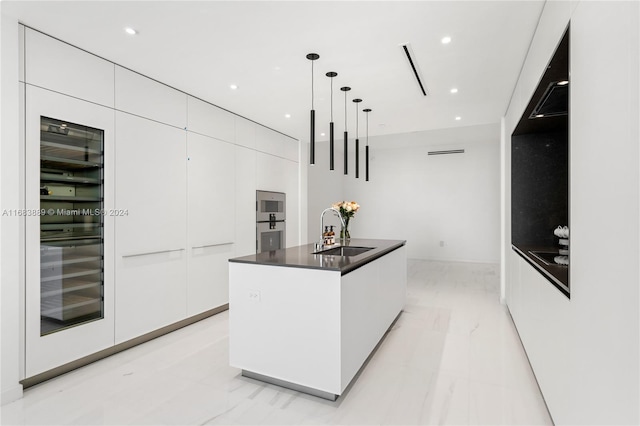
x: 344, y: 251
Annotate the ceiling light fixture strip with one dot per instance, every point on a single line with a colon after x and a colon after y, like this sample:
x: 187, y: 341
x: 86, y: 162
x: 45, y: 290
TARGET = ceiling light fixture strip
x: 451, y: 151
x: 413, y: 67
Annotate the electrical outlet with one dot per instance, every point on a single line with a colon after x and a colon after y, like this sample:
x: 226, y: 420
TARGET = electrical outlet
x: 254, y: 295
x: 441, y: 243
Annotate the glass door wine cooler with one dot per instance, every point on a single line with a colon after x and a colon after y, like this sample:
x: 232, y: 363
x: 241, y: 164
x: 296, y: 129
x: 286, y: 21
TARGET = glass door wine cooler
x: 71, y: 224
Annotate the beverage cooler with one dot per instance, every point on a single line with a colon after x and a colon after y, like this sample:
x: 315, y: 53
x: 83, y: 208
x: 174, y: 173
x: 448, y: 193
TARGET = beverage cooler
x: 68, y: 229
x: 71, y: 240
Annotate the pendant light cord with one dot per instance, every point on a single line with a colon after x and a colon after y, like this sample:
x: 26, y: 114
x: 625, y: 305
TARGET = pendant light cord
x: 311, y: 84
x: 345, y: 111
x: 331, y: 99
x: 367, y: 129
x: 356, y: 121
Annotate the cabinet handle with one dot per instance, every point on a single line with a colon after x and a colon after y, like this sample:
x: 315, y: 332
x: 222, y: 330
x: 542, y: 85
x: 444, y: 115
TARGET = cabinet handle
x: 152, y: 252
x: 213, y: 245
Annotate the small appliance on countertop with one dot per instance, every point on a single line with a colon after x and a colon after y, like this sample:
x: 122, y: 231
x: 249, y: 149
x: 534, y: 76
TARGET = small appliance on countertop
x: 562, y: 232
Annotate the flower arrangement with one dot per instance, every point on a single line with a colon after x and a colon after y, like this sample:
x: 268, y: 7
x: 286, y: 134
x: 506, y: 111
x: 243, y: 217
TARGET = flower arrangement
x: 347, y: 210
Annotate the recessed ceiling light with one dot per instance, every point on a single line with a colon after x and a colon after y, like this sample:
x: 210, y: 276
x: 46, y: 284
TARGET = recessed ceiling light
x: 539, y: 115
x: 458, y: 118
x: 287, y: 115
x: 233, y: 86
x: 563, y: 83
x: 321, y: 134
x: 446, y: 40
x: 130, y: 31
x: 454, y: 90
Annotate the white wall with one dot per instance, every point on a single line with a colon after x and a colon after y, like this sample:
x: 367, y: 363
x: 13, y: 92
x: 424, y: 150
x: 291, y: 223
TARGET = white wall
x: 423, y: 199
x: 585, y: 350
x: 10, y: 242
x: 324, y: 187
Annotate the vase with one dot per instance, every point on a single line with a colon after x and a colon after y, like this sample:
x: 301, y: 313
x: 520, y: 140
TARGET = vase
x: 344, y: 231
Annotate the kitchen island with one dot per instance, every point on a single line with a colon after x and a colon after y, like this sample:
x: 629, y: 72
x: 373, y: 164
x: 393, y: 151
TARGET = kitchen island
x: 308, y: 320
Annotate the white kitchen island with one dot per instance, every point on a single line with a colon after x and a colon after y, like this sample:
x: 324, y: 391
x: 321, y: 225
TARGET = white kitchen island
x: 310, y: 321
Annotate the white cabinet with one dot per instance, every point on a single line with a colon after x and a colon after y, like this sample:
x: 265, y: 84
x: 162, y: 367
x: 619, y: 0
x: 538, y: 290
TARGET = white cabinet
x: 63, y: 68
x: 269, y: 141
x: 211, y: 221
x: 71, y: 274
x: 245, y: 132
x: 271, y: 174
x: 291, y: 148
x: 275, y: 143
x: 145, y: 97
x: 312, y: 327
x: 151, y: 237
x: 245, y: 210
x: 210, y: 120
x: 281, y: 175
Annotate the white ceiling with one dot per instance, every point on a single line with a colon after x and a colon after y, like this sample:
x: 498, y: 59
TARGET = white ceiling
x: 201, y: 47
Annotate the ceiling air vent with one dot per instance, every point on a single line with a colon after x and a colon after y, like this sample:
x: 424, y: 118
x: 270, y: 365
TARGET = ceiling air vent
x: 414, y: 67
x: 451, y: 151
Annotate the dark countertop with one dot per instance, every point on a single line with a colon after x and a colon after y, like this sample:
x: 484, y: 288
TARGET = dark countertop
x: 303, y: 257
x: 558, y: 275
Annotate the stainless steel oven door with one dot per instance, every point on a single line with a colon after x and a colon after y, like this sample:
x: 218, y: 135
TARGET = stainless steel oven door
x: 270, y: 236
x: 270, y: 206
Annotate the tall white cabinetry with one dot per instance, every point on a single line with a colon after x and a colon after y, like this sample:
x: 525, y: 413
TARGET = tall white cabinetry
x: 176, y: 190
x: 69, y: 292
x: 151, y: 233
x: 211, y: 221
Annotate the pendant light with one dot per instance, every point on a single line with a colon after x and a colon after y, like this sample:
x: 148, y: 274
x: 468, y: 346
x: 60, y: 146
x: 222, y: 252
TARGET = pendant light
x: 331, y: 74
x: 366, y: 150
x: 312, y: 138
x: 357, y: 101
x: 345, y: 89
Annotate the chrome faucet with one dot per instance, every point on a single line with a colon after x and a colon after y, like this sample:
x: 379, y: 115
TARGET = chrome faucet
x: 320, y: 245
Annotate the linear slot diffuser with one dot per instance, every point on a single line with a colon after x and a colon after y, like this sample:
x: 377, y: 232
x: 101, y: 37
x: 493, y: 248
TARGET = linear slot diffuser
x: 407, y: 52
x: 451, y: 151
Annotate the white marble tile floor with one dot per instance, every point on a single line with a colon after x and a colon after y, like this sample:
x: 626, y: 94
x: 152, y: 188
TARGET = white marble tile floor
x: 452, y: 357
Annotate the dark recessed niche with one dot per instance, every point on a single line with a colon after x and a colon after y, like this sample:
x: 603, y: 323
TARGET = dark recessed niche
x: 540, y: 169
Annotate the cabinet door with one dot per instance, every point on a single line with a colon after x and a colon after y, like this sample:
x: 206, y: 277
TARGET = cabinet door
x: 281, y: 175
x: 245, y: 132
x: 245, y: 210
x: 151, y: 232
x: 209, y: 120
x: 63, y: 68
x: 211, y: 221
x: 145, y: 97
x: 69, y: 292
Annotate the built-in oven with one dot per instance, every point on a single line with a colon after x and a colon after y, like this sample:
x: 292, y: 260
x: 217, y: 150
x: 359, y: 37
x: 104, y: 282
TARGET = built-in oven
x: 271, y: 236
x: 270, y: 206
x: 270, y: 220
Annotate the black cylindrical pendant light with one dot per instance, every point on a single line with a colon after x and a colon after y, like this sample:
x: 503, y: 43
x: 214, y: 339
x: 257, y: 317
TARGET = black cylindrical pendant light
x: 357, y: 101
x: 331, y: 74
x: 346, y: 134
x: 366, y: 150
x: 312, y: 138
